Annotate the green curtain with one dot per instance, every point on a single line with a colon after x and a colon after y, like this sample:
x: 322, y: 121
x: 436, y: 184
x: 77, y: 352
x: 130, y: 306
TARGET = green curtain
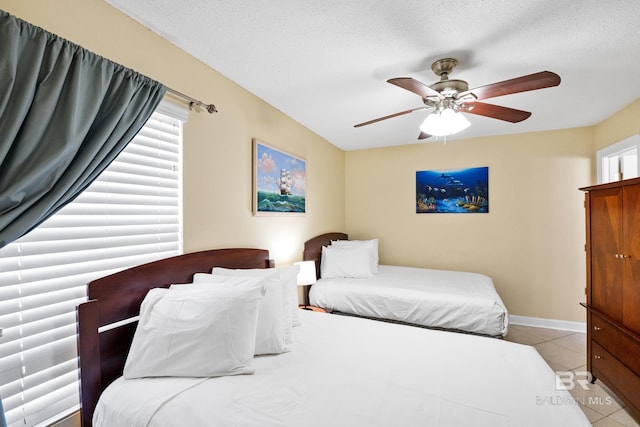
x: 3, y: 421
x: 65, y: 114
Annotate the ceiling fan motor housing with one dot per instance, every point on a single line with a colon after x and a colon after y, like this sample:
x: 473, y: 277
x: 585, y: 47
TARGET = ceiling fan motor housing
x: 450, y: 87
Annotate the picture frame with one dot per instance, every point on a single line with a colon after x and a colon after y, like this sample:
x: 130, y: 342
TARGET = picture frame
x: 453, y: 191
x: 279, y: 181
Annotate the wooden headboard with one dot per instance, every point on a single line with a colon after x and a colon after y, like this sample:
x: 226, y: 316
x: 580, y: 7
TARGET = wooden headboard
x: 117, y: 298
x: 313, y: 247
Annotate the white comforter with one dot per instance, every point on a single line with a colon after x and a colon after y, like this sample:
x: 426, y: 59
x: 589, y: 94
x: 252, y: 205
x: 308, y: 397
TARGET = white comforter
x: 434, y: 298
x: 346, y: 371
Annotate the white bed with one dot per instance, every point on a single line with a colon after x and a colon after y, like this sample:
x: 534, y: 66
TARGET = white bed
x: 349, y: 371
x: 442, y: 299
x: 195, y: 336
x: 435, y: 298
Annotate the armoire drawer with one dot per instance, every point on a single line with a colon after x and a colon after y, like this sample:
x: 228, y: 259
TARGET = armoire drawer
x: 623, y: 346
x: 604, y: 365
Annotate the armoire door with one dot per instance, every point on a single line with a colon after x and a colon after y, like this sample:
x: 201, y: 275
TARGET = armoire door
x: 631, y: 261
x: 606, y: 248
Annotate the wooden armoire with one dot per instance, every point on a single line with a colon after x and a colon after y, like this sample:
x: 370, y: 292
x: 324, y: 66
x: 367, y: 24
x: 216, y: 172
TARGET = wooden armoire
x: 613, y: 288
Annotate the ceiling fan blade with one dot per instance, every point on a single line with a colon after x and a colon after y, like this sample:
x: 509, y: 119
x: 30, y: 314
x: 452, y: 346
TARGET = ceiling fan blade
x: 401, y: 113
x: 496, y: 112
x: 424, y: 135
x: 414, y: 86
x: 534, y: 81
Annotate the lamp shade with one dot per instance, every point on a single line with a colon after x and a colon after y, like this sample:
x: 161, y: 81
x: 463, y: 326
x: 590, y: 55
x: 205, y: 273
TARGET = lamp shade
x: 447, y: 122
x: 307, y: 273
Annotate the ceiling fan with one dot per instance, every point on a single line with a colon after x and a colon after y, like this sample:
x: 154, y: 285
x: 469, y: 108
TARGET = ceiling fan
x: 450, y: 97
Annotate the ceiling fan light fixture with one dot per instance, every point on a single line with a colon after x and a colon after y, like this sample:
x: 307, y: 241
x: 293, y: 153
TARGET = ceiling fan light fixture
x: 444, y: 123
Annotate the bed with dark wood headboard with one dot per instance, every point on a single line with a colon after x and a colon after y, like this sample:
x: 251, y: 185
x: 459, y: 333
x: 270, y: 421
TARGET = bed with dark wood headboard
x: 115, y: 301
x: 460, y: 301
x: 324, y: 368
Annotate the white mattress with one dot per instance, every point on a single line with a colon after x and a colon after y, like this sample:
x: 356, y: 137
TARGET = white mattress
x: 434, y: 298
x: 346, y: 371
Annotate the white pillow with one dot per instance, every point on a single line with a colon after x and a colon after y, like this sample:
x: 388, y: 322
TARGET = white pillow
x: 288, y: 280
x: 345, y: 261
x: 372, y: 245
x: 193, y: 331
x: 270, y: 334
x: 287, y: 277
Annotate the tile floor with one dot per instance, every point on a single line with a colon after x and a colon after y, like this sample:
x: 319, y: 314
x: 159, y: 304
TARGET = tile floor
x: 566, y: 351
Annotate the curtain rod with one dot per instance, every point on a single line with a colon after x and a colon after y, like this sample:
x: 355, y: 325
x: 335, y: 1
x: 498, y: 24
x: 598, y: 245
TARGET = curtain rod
x: 192, y: 101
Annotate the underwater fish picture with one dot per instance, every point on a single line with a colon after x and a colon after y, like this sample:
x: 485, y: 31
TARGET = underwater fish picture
x: 279, y: 180
x: 453, y: 191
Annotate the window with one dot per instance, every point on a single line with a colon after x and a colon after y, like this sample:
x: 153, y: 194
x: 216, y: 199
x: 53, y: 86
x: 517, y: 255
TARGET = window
x: 619, y: 161
x: 130, y: 215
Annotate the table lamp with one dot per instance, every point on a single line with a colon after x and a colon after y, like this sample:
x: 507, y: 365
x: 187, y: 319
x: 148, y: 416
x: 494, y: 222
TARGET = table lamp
x: 306, y: 277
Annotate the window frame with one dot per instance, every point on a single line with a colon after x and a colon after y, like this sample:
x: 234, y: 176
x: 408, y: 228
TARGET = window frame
x: 615, y: 150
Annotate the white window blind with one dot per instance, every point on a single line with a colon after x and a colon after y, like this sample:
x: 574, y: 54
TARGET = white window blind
x: 130, y: 215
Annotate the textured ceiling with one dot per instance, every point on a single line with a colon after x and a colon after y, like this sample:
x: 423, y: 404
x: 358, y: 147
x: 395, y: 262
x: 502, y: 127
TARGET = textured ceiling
x: 325, y: 62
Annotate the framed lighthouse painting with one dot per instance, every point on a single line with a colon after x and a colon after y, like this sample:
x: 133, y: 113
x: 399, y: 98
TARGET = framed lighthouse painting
x: 279, y: 181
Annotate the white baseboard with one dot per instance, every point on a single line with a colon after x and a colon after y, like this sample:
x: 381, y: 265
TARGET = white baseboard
x: 538, y: 322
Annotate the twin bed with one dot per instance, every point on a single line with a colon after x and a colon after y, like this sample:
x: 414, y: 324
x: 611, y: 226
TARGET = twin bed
x: 440, y: 299
x: 340, y: 370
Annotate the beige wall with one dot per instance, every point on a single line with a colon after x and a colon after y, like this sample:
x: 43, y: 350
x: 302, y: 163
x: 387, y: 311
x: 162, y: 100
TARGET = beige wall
x: 531, y: 242
x: 217, y: 148
x: 619, y: 126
